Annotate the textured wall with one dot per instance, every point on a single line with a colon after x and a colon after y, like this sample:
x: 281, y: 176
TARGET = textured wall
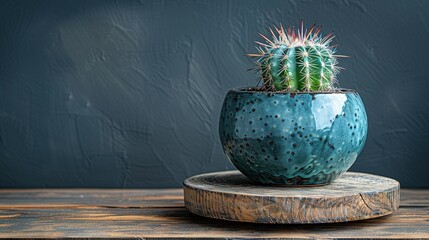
x: 128, y: 93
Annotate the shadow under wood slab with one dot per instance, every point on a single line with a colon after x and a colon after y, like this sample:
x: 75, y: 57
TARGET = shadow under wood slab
x: 232, y: 196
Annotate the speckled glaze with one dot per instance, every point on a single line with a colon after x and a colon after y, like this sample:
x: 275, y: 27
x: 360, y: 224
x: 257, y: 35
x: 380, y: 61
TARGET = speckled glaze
x: 292, y: 138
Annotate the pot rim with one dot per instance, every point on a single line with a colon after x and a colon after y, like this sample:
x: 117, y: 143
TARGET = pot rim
x: 253, y: 90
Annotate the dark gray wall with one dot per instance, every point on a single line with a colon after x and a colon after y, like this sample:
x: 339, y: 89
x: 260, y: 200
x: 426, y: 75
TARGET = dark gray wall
x: 128, y: 93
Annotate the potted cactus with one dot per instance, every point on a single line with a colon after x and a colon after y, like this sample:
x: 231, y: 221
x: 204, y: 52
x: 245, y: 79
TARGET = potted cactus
x: 298, y: 128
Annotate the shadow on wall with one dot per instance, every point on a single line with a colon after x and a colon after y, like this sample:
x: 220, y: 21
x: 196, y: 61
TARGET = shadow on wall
x: 128, y: 94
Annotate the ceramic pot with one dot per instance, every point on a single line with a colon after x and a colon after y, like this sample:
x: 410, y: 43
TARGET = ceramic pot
x: 292, y: 138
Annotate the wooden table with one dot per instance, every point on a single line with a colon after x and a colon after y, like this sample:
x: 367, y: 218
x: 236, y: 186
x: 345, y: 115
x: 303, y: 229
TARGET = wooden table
x: 160, y: 213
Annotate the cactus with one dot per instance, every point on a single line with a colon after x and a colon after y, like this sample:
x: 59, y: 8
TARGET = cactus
x: 297, y: 60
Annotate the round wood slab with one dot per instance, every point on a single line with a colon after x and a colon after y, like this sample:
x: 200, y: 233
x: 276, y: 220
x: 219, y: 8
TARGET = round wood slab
x: 232, y: 196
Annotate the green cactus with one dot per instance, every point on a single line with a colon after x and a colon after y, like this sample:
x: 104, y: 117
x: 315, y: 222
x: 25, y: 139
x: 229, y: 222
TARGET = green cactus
x: 297, y: 61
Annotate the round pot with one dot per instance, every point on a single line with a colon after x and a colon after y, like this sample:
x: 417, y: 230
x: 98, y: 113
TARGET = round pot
x: 292, y: 138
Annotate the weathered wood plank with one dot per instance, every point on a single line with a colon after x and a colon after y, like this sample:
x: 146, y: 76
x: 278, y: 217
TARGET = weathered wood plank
x: 48, y: 198
x: 107, y: 213
x: 414, y: 197
x: 179, y: 223
x: 63, y: 198
x: 232, y: 196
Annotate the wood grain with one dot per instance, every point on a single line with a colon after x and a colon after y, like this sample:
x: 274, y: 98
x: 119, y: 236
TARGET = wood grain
x: 179, y: 223
x: 232, y: 196
x: 60, y: 198
x: 160, y: 213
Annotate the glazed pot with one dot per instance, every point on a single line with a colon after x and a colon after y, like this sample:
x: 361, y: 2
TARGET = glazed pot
x: 292, y: 138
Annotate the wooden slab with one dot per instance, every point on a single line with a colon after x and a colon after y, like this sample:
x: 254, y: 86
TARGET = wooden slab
x: 232, y: 196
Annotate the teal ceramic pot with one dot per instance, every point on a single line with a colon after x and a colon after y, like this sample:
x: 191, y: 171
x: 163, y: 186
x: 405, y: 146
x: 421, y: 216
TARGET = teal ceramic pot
x: 292, y: 138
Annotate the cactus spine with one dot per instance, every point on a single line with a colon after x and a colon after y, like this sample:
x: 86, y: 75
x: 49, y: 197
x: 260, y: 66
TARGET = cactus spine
x: 297, y: 60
